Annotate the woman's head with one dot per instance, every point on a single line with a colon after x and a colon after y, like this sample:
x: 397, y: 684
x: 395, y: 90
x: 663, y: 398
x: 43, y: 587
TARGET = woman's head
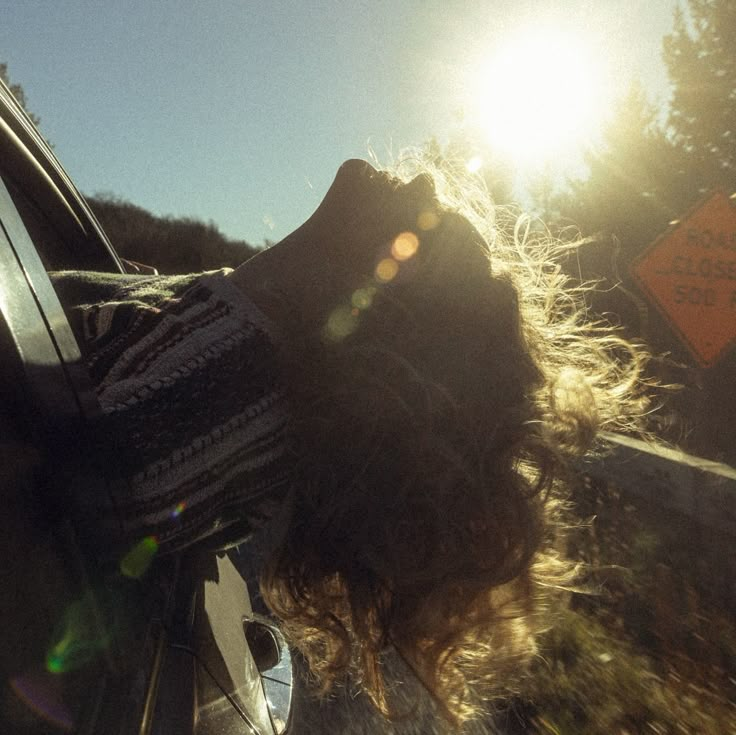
x: 432, y: 410
x: 338, y: 250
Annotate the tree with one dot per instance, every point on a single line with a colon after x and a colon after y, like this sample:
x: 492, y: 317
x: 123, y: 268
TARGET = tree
x: 701, y: 64
x: 18, y: 93
x: 648, y: 173
x: 170, y: 244
x: 635, y: 183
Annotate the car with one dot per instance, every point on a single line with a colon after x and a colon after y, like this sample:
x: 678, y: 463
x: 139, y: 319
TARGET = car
x: 171, y: 646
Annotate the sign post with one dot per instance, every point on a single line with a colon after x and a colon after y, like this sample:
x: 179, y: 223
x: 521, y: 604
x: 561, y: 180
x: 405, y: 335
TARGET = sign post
x: 689, y: 273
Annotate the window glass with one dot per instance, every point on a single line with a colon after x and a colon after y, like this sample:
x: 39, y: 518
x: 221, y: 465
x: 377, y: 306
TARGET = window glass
x: 58, y: 251
x: 72, y: 634
x: 54, y: 252
x: 40, y: 585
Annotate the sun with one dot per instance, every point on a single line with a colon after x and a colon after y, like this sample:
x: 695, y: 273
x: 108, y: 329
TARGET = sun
x: 538, y: 96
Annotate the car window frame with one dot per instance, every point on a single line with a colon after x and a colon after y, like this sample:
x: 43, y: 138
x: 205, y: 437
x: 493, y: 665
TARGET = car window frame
x: 30, y: 161
x: 56, y: 390
x: 64, y: 403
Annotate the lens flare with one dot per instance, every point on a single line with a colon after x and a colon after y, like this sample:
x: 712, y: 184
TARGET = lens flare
x: 179, y: 509
x: 78, y: 638
x: 428, y: 220
x: 386, y: 270
x: 136, y: 562
x: 363, y: 298
x: 40, y: 694
x: 342, y: 322
x: 474, y: 164
x: 405, y: 246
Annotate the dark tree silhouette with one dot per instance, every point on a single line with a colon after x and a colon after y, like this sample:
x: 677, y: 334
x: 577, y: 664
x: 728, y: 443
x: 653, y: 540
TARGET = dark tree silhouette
x: 18, y: 93
x: 701, y: 62
x: 172, y: 245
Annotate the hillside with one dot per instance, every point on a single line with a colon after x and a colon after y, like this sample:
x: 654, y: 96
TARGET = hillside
x: 170, y: 244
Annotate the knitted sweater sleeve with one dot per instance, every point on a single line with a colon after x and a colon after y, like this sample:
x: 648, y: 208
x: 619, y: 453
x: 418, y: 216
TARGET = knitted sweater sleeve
x: 193, y: 416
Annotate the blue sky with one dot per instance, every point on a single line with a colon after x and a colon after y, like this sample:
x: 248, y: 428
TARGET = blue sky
x: 240, y: 112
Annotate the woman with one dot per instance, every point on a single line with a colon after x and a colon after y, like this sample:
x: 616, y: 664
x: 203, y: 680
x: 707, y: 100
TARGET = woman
x: 395, y: 396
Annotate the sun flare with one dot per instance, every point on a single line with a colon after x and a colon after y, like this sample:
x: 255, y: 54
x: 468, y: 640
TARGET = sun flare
x: 537, y: 97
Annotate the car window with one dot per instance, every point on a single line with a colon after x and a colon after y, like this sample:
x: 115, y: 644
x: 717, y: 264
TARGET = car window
x: 53, y: 251
x: 75, y: 643
x: 57, y: 250
x: 82, y: 640
x: 37, y: 568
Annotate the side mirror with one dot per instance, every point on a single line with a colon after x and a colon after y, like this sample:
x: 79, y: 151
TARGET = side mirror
x: 272, y: 658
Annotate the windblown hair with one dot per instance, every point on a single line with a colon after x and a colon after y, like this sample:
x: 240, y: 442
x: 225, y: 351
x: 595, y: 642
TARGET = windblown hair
x: 430, y: 442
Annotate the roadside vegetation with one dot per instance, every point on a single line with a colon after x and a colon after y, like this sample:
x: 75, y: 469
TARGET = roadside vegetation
x: 652, y: 647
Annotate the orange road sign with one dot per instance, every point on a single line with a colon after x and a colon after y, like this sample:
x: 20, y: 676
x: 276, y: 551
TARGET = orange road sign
x: 689, y: 273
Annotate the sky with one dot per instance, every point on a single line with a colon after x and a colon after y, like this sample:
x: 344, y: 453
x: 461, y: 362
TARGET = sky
x: 239, y: 112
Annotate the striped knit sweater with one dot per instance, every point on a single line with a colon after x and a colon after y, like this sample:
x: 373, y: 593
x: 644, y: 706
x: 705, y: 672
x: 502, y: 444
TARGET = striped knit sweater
x: 193, y: 418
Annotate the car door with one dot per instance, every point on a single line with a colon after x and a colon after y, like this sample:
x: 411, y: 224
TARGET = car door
x: 84, y: 648
x: 79, y: 651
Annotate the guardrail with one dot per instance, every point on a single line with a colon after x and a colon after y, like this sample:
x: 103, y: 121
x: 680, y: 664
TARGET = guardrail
x: 700, y: 488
